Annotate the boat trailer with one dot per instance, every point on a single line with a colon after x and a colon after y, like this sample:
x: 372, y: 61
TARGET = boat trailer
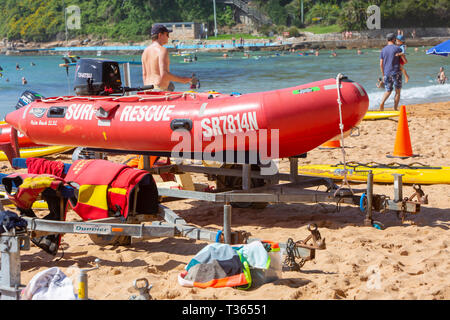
x: 106, y: 231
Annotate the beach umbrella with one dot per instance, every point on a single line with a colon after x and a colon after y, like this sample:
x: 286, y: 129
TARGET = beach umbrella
x: 442, y: 49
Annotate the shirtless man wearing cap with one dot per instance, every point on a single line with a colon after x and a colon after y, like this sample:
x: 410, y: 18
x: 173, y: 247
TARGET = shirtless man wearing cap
x: 155, y: 62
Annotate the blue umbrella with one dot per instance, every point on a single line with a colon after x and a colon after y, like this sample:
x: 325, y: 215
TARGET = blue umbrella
x: 442, y: 49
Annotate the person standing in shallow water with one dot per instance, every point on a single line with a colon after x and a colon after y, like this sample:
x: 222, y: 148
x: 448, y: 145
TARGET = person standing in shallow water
x: 390, y: 69
x: 441, y: 77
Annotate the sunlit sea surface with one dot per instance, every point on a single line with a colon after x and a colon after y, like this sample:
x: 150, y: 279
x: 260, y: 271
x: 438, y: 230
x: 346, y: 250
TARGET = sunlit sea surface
x: 262, y: 71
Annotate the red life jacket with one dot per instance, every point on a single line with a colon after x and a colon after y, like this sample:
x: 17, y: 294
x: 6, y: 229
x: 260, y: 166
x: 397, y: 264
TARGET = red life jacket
x: 107, y: 189
x: 30, y: 186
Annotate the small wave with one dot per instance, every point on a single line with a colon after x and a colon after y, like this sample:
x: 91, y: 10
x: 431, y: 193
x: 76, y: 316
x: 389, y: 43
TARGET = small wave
x: 414, y: 95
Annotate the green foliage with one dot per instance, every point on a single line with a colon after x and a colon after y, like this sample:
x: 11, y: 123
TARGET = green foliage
x: 127, y: 20
x: 396, y: 13
x: 353, y: 15
x: 320, y: 29
x: 267, y: 30
x: 418, y: 13
x: 328, y: 14
x: 293, y: 32
x: 227, y: 17
x: 276, y: 12
x: 130, y: 20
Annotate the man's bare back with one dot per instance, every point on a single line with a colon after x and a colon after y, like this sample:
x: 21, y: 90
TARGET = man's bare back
x: 154, y: 57
x: 156, y: 62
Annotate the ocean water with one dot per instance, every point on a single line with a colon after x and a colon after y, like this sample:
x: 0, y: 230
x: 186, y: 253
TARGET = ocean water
x: 263, y: 71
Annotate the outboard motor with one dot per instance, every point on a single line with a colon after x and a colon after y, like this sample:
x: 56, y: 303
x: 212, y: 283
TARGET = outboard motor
x: 97, y: 77
x: 28, y: 97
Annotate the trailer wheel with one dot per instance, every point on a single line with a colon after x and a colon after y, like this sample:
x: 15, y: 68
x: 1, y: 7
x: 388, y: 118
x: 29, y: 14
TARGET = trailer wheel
x: 110, y: 240
x: 233, y: 183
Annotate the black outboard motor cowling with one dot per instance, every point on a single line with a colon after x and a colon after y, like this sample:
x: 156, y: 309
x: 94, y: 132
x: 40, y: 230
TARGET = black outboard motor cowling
x: 97, y: 77
x: 27, y: 97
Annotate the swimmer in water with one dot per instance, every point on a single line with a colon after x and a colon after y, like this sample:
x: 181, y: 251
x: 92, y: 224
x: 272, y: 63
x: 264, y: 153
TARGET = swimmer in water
x: 441, y: 77
x: 380, y: 83
x: 195, y: 82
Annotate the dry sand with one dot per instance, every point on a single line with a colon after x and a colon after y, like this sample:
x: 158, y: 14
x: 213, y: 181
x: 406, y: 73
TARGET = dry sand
x: 404, y: 261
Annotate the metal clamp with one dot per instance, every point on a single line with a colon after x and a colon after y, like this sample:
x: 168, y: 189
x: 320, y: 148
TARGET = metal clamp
x: 352, y: 134
x: 237, y: 236
x: 422, y: 198
x: 302, y: 250
x: 144, y: 290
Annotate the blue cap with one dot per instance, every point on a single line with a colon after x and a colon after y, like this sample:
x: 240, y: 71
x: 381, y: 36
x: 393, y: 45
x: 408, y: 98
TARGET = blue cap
x: 401, y: 38
x: 158, y: 28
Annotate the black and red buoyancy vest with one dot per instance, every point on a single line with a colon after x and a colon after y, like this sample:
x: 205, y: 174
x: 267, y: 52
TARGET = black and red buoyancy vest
x: 107, y: 189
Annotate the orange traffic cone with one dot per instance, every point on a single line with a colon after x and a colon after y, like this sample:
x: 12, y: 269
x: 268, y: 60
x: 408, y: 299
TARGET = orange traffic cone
x: 331, y: 144
x: 402, y: 147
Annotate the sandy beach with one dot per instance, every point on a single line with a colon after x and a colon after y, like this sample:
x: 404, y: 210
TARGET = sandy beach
x: 409, y: 260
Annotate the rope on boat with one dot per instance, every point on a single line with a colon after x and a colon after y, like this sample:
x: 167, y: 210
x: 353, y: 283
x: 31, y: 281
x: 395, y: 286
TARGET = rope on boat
x: 125, y: 98
x: 341, y: 128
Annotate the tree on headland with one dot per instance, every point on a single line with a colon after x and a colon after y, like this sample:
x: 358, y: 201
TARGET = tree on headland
x: 325, y: 13
x: 353, y: 15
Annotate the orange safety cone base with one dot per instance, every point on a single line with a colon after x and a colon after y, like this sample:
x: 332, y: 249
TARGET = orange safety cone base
x: 402, y: 157
x: 331, y: 144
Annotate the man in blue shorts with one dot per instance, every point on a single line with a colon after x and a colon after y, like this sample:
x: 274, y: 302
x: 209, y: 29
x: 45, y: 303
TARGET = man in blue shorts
x: 390, y: 69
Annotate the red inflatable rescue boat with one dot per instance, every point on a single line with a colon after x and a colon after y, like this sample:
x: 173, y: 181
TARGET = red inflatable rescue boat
x: 274, y: 124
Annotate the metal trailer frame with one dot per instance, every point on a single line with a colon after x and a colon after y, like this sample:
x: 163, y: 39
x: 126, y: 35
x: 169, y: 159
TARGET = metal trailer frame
x: 294, y: 191
x: 11, y: 243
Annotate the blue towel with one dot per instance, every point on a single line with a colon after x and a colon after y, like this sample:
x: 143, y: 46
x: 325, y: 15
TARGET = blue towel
x: 9, y: 220
x: 256, y: 255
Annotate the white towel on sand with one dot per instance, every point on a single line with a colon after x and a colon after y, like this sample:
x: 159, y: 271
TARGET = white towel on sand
x: 50, y: 284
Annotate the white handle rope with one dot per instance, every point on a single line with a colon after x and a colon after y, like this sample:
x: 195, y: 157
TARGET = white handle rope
x: 341, y: 127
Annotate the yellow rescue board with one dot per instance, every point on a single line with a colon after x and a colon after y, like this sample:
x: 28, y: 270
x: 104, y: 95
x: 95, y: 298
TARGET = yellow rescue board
x: 37, y: 152
x: 383, y: 174
x: 375, y: 115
